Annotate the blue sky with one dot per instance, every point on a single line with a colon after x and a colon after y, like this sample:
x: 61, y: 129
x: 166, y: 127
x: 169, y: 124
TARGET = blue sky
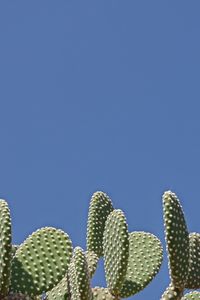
x: 99, y: 95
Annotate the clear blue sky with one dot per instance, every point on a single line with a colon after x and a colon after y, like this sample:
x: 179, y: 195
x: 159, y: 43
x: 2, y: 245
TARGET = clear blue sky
x: 99, y: 95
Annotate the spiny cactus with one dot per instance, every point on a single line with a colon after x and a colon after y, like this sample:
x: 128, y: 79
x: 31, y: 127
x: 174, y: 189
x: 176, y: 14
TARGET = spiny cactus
x: 100, y: 208
x: 44, y: 263
x: 41, y: 261
x: 79, y: 278
x: 177, y: 239
x: 115, y: 249
x: 144, y: 261
x: 36, y: 265
x: 5, y: 248
x: 183, y: 251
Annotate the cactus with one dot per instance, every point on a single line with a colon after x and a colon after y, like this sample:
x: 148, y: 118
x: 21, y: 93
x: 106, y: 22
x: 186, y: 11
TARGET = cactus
x: 193, y: 280
x: 36, y: 265
x: 115, y: 249
x: 79, y: 278
x: 41, y: 261
x: 144, y: 261
x: 100, y: 207
x: 177, y: 239
x: 5, y: 248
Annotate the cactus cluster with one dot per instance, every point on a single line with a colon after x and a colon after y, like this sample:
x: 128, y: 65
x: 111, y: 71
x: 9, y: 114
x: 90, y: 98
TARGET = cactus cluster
x: 47, y: 267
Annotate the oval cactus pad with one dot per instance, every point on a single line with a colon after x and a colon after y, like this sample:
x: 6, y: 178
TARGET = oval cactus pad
x: 177, y: 239
x: 144, y: 261
x: 193, y: 280
x: 41, y: 261
x: 100, y: 208
x: 115, y: 248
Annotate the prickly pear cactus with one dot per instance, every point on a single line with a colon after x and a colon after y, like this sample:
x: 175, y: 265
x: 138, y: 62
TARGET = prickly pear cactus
x: 177, y: 239
x: 41, y: 261
x: 5, y: 248
x: 144, y: 261
x: 115, y: 249
x: 79, y: 278
x: 100, y: 208
x: 193, y: 279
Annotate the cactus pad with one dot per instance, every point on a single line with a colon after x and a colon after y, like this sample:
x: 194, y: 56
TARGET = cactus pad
x: 100, y: 208
x: 5, y: 248
x: 92, y: 260
x: 79, y: 279
x: 115, y: 248
x: 192, y: 296
x: 193, y: 280
x: 102, y: 294
x: 172, y: 293
x: 177, y: 239
x: 41, y: 261
x: 145, y: 258
x: 60, y: 291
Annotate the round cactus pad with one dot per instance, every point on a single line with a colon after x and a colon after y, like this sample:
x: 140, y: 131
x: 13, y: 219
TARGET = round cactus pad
x: 192, y: 296
x: 102, y: 294
x: 5, y: 248
x: 193, y: 280
x: 172, y: 293
x: 79, y: 278
x: 177, y: 239
x: 41, y: 261
x: 60, y: 291
x: 100, y: 208
x: 144, y: 261
x: 115, y: 248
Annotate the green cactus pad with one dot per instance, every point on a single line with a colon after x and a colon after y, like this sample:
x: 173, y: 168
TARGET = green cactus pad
x: 79, y: 278
x: 192, y: 296
x: 41, y: 261
x: 145, y: 258
x: 193, y: 280
x: 115, y: 248
x: 102, y: 294
x: 60, y: 291
x: 5, y: 248
x: 177, y: 239
x: 172, y: 293
x: 92, y: 260
x: 100, y: 208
